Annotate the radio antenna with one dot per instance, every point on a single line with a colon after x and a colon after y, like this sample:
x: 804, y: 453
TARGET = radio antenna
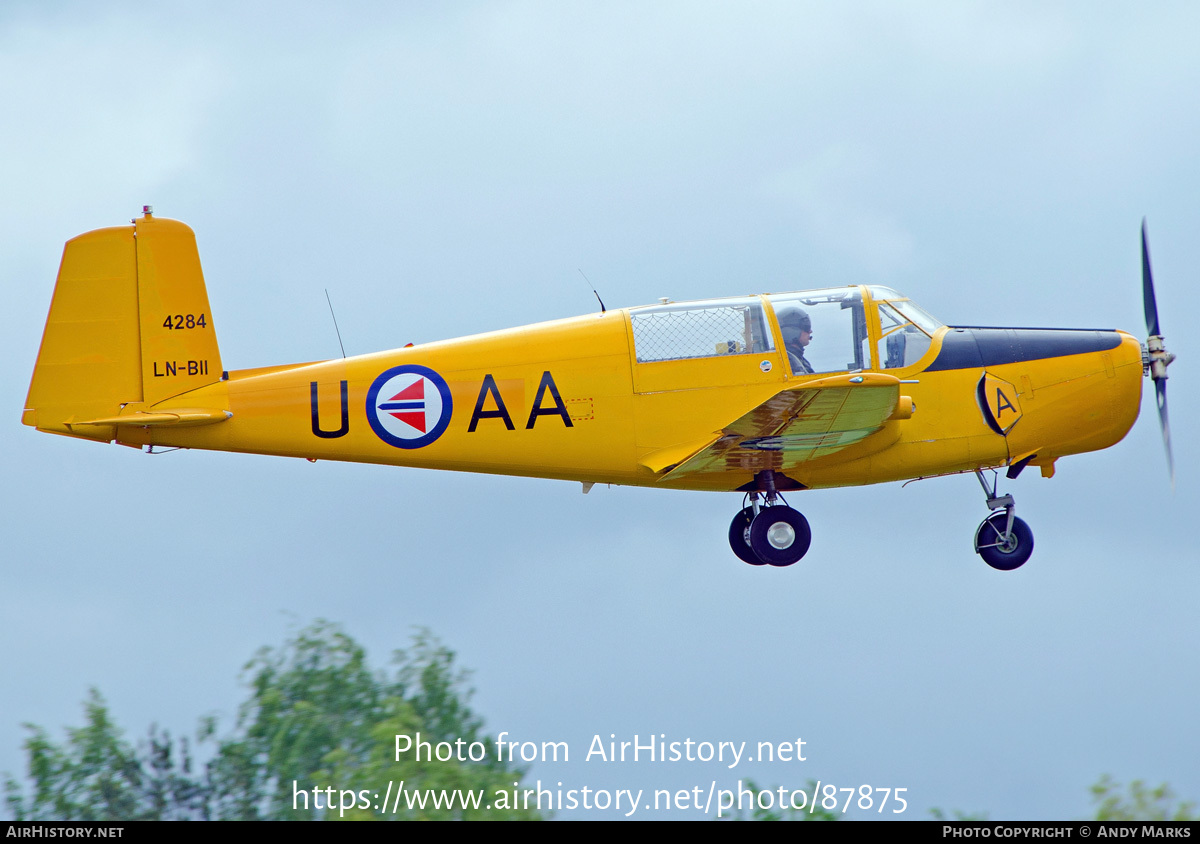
x: 589, y: 283
x: 335, y: 325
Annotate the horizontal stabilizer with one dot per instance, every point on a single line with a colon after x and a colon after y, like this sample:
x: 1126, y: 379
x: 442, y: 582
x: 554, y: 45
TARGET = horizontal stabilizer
x: 181, y: 418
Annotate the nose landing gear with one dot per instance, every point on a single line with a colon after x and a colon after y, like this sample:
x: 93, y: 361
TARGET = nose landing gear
x: 769, y: 533
x: 1002, y: 540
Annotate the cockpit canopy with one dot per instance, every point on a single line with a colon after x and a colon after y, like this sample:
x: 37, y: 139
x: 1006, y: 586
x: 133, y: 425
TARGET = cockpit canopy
x: 831, y: 330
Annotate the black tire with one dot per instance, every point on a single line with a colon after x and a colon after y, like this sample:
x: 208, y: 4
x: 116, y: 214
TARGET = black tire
x: 738, y: 532
x: 1009, y: 556
x: 779, y: 536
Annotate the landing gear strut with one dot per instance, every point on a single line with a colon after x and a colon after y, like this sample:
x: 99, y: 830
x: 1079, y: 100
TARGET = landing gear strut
x: 766, y: 532
x: 1003, y: 540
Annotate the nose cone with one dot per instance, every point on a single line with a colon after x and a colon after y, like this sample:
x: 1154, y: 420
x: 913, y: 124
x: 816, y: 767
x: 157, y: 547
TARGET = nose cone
x: 1078, y: 402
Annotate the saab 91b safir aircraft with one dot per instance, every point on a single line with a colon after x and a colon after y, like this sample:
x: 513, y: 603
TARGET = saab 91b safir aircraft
x: 759, y: 394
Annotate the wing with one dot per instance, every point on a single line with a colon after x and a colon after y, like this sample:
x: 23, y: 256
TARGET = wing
x: 801, y: 423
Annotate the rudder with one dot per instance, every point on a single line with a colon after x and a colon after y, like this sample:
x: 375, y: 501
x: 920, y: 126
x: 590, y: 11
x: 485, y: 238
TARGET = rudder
x: 178, y: 343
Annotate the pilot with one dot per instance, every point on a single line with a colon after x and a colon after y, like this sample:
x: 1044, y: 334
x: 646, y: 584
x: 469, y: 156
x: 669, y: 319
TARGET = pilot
x: 796, y: 327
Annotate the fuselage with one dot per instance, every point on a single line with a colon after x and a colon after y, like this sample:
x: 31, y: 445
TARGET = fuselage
x: 584, y: 399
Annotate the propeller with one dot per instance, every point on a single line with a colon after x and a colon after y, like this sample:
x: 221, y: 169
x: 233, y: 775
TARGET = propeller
x: 1155, y: 357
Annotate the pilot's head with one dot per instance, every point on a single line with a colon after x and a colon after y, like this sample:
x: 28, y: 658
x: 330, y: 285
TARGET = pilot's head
x: 795, y: 325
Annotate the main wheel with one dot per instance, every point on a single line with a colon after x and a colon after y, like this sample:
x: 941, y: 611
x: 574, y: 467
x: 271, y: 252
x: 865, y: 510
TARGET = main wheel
x: 999, y: 552
x: 739, y: 537
x: 779, y: 536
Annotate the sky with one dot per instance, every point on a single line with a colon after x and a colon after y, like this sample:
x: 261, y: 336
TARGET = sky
x: 446, y: 169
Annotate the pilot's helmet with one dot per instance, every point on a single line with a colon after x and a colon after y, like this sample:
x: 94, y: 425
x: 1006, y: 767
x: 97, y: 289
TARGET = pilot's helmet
x: 794, y: 318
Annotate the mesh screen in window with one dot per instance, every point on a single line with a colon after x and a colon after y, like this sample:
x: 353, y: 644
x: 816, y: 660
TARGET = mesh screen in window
x: 700, y: 330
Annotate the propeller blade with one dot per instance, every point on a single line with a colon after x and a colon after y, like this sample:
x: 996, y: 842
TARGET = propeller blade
x: 1148, y: 287
x: 1160, y: 388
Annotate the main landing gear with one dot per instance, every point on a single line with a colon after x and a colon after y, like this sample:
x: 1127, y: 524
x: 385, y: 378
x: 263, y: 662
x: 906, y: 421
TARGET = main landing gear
x: 1004, y: 541
x: 767, y: 532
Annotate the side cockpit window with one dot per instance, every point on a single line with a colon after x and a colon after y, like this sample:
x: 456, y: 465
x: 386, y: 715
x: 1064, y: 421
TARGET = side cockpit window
x: 700, y: 330
x: 823, y: 330
x: 906, y: 331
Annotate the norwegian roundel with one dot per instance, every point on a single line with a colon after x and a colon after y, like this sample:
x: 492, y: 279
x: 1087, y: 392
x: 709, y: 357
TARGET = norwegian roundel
x: 409, y: 406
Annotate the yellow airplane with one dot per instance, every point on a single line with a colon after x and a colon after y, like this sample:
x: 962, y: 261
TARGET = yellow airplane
x: 759, y: 394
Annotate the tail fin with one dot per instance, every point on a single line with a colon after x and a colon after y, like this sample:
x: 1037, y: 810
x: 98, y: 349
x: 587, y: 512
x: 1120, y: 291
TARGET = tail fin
x: 129, y: 324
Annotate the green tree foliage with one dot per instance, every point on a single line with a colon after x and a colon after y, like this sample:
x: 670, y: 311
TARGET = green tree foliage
x: 98, y: 775
x: 941, y: 815
x: 1140, y: 803
x: 1113, y: 804
x: 317, y: 717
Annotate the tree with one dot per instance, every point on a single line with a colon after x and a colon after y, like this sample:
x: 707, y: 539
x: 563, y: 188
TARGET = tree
x: 940, y: 815
x: 319, y: 724
x: 97, y: 775
x: 1141, y: 803
x: 319, y: 718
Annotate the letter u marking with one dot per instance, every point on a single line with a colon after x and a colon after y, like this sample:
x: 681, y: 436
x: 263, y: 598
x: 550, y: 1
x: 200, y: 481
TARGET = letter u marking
x: 316, y: 418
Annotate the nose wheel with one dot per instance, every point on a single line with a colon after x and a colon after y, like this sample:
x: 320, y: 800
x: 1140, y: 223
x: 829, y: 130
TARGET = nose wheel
x: 772, y: 535
x: 1002, y: 540
x: 1001, y: 549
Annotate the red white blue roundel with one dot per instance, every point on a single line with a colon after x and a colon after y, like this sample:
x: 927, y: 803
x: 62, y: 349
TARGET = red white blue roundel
x: 409, y: 406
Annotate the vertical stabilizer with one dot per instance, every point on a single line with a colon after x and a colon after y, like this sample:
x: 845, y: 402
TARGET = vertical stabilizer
x: 129, y: 324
